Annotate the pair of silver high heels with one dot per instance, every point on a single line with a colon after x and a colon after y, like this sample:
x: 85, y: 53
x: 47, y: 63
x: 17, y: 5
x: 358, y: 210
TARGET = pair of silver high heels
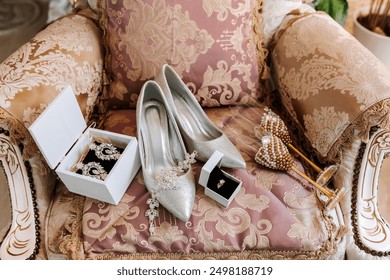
x: 169, y: 120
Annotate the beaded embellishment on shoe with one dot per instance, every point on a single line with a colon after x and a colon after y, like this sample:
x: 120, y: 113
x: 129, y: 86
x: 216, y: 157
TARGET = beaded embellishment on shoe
x: 167, y: 179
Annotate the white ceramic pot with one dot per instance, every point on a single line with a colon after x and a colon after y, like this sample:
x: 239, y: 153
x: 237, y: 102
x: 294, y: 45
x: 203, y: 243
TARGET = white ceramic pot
x: 379, y: 45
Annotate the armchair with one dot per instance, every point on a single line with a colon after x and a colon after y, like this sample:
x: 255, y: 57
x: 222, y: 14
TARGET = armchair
x: 274, y: 216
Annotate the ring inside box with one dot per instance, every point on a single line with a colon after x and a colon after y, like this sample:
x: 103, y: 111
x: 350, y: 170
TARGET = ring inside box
x: 221, y: 184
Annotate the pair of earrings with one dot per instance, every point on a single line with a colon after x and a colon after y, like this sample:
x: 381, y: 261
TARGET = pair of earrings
x: 104, y: 151
x: 95, y: 169
x: 273, y: 153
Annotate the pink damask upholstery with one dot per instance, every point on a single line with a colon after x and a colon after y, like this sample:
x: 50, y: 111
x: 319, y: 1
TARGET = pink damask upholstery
x: 214, y: 45
x: 273, y: 216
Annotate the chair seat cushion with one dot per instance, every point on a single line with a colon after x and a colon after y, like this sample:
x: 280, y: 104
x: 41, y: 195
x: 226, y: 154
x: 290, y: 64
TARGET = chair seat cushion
x: 273, y: 216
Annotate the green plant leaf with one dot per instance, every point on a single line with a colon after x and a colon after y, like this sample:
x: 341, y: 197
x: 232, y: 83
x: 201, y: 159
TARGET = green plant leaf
x: 337, y: 9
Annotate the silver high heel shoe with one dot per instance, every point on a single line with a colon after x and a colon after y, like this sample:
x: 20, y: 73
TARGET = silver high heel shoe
x: 166, y: 166
x: 198, y: 132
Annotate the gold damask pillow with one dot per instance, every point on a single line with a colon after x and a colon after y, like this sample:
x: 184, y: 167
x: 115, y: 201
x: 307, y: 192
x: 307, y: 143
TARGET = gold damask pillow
x: 331, y: 85
x: 214, y: 45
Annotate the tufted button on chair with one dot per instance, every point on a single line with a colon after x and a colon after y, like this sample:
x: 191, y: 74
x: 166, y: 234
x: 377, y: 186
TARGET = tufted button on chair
x: 236, y: 59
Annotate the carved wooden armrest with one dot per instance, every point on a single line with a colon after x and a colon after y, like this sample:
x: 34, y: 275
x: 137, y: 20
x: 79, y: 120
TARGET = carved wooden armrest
x: 19, y: 222
x: 368, y: 201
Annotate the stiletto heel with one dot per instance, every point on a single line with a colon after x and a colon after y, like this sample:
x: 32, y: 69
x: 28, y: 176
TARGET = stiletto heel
x: 166, y: 166
x: 198, y: 132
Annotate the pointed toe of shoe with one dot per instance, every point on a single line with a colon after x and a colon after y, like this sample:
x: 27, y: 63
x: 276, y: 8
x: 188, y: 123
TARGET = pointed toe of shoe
x: 180, y: 201
x: 233, y: 159
x: 231, y: 156
x: 181, y: 209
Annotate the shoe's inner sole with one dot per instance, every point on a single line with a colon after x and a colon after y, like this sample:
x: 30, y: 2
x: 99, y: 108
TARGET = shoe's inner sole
x: 155, y: 136
x: 191, y: 122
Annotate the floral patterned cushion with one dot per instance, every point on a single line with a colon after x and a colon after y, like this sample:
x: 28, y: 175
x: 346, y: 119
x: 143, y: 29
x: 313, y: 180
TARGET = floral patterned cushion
x: 214, y: 45
x: 273, y: 216
x: 37, y: 72
x: 332, y: 86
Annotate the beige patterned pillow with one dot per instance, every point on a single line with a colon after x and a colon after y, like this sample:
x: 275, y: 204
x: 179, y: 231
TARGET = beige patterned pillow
x: 37, y: 72
x: 332, y: 86
x: 214, y: 45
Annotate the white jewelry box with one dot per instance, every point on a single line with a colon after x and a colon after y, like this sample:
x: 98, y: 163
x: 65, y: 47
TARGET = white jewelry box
x: 62, y: 136
x: 218, y: 184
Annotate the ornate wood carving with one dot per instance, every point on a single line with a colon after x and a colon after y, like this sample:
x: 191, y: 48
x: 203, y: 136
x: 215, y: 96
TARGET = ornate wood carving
x: 373, y: 232
x: 21, y: 239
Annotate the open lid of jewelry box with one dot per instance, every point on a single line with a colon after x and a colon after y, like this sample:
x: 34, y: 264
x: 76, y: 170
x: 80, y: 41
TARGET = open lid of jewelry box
x: 58, y: 127
x: 214, y: 160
